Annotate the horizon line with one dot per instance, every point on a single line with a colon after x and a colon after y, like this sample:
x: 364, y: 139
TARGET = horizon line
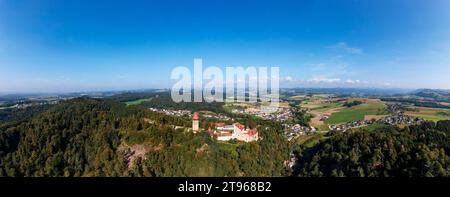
x: 5, y: 93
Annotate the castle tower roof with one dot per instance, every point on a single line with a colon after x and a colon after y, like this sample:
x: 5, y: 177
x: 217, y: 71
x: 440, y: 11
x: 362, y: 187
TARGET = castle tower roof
x: 195, y: 116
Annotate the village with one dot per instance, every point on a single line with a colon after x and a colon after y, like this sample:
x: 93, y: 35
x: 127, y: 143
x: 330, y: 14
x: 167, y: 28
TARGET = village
x: 282, y: 113
x: 293, y: 131
x: 188, y: 113
x: 397, y: 118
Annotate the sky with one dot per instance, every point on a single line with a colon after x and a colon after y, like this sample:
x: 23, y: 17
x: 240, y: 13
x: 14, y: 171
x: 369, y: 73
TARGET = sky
x: 86, y: 45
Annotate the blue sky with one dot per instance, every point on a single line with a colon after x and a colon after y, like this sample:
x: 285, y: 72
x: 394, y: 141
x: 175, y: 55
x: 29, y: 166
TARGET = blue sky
x: 57, y: 45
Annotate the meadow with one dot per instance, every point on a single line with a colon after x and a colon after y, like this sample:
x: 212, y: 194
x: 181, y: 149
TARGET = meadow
x: 356, y: 113
x: 310, y: 140
x: 326, y: 107
x: 137, y: 102
x: 431, y: 114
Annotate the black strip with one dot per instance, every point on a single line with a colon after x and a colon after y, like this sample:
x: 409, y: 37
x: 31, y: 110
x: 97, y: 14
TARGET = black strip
x: 147, y: 186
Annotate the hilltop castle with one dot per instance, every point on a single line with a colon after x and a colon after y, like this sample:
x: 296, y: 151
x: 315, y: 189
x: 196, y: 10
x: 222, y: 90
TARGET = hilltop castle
x: 223, y: 132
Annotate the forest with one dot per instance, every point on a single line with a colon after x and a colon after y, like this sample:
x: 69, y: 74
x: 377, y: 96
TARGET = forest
x: 414, y: 151
x: 86, y: 137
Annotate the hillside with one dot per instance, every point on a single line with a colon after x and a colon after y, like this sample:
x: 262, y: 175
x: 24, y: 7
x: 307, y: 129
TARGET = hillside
x: 384, y: 152
x: 77, y: 138
x: 90, y: 137
x: 438, y: 95
x: 163, y: 100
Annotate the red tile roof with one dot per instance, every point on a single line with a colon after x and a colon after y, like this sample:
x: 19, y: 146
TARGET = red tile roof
x: 195, y: 116
x: 239, y: 125
x: 219, y: 124
x: 252, y: 132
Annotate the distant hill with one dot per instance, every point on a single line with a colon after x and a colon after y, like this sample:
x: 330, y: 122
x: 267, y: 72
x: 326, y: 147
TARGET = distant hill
x: 347, y: 91
x: 439, y: 95
x: 163, y: 100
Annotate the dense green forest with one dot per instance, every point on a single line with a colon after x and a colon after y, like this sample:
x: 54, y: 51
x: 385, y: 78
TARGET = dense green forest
x: 420, y: 150
x: 14, y: 115
x: 89, y: 137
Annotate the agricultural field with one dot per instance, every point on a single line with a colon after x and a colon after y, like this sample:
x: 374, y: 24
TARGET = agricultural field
x: 284, y: 105
x: 431, y: 114
x: 320, y: 107
x: 374, y: 117
x: 445, y: 103
x: 297, y: 97
x: 318, y: 113
x: 326, y: 107
x: 7, y: 106
x: 374, y: 127
x: 310, y: 140
x: 137, y: 102
x: 357, y: 112
x: 323, y: 95
x: 322, y: 127
x: 316, y: 103
x: 252, y: 106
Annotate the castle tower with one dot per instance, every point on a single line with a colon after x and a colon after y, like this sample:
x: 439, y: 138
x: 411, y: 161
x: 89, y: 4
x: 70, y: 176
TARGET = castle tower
x: 195, y: 119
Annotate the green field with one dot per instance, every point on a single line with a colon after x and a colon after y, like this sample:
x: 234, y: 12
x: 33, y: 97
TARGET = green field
x: 431, y: 114
x: 322, y: 127
x: 374, y: 127
x: 137, y: 102
x: 310, y: 140
x: 8, y: 107
x: 298, y: 97
x: 325, y: 107
x: 356, y: 113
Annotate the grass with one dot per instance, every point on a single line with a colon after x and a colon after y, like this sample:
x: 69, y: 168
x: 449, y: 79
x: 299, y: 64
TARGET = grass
x: 355, y: 113
x: 8, y: 106
x: 445, y: 103
x: 310, y: 140
x: 322, y: 127
x: 345, y: 116
x: 327, y: 106
x: 375, y: 127
x: 322, y: 95
x: 137, y: 102
x: 298, y: 97
x: 431, y: 114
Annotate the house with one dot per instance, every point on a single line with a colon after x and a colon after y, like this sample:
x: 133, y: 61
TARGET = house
x: 244, y: 134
